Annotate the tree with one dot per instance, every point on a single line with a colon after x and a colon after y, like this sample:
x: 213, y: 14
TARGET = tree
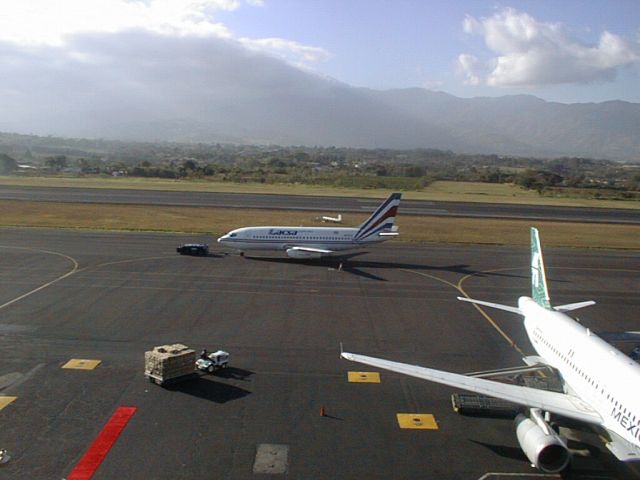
x: 537, y: 179
x: 56, y: 163
x: 7, y: 164
x: 190, y: 165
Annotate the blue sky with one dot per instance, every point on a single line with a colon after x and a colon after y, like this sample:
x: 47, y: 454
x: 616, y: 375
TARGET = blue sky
x: 560, y: 50
x: 385, y: 44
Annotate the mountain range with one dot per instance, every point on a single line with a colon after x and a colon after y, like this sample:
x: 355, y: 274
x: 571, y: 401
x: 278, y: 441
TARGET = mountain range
x: 346, y: 116
x: 146, y: 87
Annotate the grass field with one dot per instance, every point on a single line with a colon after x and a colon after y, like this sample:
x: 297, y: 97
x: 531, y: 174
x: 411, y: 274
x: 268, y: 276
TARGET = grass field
x: 442, y: 191
x: 217, y: 221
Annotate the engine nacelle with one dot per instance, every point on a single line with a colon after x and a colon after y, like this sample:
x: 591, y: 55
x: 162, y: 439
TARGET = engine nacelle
x: 546, y: 452
x: 295, y: 253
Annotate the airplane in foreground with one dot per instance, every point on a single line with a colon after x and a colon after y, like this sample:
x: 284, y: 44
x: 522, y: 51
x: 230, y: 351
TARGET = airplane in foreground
x: 316, y: 242
x: 601, y: 384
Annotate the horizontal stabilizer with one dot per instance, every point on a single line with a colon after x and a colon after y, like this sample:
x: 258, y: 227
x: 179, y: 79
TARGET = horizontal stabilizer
x: 574, y: 306
x: 499, y: 306
x: 388, y: 234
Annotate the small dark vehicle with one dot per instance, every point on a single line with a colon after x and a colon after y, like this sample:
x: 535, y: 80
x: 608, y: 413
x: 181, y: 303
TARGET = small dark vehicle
x: 193, y: 249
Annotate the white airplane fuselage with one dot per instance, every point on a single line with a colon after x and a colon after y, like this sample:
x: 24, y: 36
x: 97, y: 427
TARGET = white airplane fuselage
x: 282, y: 238
x: 601, y: 384
x: 315, y: 242
x: 591, y: 368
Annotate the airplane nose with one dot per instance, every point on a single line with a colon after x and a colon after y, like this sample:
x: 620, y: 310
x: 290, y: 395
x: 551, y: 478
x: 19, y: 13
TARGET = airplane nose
x: 222, y: 239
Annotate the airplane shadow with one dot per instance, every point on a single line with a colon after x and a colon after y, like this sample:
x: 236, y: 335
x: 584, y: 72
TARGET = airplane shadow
x: 349, y: 264
x: 207, y: 388
x: 513, y: 453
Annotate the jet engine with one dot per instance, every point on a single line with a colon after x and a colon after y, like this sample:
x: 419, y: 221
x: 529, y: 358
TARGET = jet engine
x: 542, y: 446
x: 296, y: 253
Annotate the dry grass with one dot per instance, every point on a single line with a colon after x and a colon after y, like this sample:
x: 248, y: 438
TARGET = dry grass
x: 437, y: 191
x: 216, y: 221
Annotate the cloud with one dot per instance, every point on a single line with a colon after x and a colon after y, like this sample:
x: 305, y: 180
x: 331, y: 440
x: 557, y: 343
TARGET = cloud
x: 103, y: 79
x: 533, y: 53
x: 470, y: 67
x: 45, y: 23
x: 286, y: 49
x: 73, y: 66
x: 42, y: 22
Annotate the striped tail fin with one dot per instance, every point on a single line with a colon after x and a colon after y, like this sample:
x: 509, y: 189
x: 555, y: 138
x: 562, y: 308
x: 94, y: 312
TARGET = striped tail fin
x: 382, y: 220
x: 539, y: 290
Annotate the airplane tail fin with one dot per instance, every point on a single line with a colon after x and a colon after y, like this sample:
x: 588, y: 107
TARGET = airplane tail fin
x: 539, y: 290
x: 383, y: 219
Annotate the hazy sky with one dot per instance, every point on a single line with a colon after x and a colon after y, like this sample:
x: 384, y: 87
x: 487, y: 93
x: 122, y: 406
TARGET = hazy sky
x: 559, y: 50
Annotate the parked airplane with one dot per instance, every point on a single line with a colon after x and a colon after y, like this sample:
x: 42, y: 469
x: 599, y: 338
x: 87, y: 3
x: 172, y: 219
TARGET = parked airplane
x: 315, y: 242
x: 601, y: 384
x: 326, y: 218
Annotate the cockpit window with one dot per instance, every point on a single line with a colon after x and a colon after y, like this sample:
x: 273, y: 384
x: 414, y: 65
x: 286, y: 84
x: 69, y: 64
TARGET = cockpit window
x: 233, y: 235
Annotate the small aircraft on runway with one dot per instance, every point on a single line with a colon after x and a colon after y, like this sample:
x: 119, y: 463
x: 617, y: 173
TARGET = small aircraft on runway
x: 601, y: 384
x: 316, y: 242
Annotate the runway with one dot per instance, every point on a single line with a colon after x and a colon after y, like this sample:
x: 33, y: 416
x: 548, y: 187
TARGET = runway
x: 330, y: 205
x: 111, y: 296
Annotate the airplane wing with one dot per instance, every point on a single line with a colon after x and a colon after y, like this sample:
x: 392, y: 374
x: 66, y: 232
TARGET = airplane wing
x: 559, y: 403
x: 506, y: 373
x: 623, y: 450
x: 312, y: 250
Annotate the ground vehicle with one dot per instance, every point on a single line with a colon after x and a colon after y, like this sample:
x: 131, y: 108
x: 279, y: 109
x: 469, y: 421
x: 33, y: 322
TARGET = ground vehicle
x: 201, y: 249
x: 167, y: 364
x: 213, y: 361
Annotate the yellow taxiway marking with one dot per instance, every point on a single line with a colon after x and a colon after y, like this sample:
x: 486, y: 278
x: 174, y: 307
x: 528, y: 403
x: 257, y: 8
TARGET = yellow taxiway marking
x: 461, y: 290
x: 82, y: 364
x: 4, y: 401
x: 364, y: 377
x: 421, y: 421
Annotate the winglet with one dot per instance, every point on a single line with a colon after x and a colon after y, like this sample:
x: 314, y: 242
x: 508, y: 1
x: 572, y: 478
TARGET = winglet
x: 347, y: 356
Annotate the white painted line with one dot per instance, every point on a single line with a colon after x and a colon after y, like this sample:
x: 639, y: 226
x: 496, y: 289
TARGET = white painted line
x: 48, y: 284
x: 499, y: 475
x: 271, y: 459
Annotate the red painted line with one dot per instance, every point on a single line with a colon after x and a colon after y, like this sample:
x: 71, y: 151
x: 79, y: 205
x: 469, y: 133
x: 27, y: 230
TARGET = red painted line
x: 93, y: 457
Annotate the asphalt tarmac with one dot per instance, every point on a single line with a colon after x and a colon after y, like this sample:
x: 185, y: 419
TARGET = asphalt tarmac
x: 330, y: 205
x: 111, y: 296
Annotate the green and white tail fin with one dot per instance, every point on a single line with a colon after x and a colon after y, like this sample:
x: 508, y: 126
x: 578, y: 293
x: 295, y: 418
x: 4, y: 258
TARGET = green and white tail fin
x: 539, y: 290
